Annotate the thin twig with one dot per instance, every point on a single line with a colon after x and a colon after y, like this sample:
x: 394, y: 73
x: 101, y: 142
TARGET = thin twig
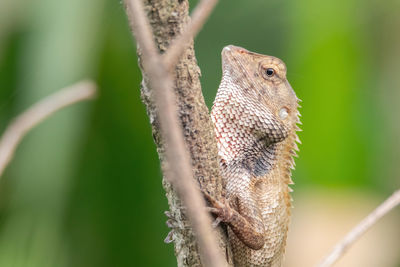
x: 179, y: 167
x: 360, y: 229
x: 37, y: 113
x: 198, y: 18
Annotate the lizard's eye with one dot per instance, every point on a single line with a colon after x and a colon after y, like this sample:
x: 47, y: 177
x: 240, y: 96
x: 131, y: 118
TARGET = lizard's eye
x: 267, y: 72
x: 270, y: 72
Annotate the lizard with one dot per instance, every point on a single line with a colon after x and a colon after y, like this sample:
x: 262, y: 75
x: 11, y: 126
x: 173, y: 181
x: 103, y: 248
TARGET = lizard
x: 255, y: 116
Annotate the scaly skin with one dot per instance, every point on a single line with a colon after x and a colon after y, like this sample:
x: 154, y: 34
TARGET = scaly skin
x: 255, y: 115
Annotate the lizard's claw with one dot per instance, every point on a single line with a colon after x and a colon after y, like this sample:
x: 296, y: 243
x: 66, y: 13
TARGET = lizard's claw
x: 216, y: 222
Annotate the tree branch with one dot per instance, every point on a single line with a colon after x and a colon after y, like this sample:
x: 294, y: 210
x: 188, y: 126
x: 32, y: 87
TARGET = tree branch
x: 37, y: 113
x: 361, y: 228
x: 178, y: 168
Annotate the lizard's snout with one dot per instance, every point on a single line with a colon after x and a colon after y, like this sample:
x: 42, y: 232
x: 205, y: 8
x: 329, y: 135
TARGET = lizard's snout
x: 233, y: 48
x: 231, y: 52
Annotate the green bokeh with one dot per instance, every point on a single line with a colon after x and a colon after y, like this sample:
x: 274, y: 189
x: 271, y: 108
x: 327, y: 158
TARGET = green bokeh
x: 85, y: 188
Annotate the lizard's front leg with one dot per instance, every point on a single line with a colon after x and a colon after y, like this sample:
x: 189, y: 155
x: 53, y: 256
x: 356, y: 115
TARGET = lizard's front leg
x: 242, y: 217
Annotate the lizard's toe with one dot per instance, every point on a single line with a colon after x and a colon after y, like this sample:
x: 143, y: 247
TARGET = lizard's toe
x: 217, y: 221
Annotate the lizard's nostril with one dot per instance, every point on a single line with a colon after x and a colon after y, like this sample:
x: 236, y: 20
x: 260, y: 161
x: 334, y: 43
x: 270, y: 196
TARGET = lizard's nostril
x: 237, y: 49
x: 227, y: 48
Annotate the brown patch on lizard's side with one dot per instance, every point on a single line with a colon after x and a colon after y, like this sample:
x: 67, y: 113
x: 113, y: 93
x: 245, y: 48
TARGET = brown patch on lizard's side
x: 255, y: 116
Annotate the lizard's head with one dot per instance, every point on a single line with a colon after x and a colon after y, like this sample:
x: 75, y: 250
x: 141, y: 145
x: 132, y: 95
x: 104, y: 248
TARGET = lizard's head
x: 262, y: 79
x: 255, y: 107
x: 261, y: 82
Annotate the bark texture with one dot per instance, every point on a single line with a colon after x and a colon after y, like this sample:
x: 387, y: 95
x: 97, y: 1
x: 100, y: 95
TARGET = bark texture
x: 167, y: 18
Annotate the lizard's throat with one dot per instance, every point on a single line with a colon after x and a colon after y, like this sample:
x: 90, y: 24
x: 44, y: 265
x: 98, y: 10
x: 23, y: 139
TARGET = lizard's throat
x: 239, y: 150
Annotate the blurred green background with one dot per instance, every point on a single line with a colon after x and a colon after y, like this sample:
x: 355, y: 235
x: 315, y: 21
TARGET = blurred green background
x: 84, y: 188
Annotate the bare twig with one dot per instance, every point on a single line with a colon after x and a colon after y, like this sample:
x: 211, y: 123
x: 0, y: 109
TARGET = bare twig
x: 38, y: 112
x: 361, y: 228
x: 179, y: 166
x: 198, y: 18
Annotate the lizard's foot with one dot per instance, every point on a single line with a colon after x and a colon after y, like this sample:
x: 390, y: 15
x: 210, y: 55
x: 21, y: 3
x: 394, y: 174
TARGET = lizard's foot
x: 221, y: 209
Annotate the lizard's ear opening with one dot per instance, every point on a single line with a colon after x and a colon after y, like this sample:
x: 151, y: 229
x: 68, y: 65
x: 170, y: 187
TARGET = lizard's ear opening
x: 283, y: 113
